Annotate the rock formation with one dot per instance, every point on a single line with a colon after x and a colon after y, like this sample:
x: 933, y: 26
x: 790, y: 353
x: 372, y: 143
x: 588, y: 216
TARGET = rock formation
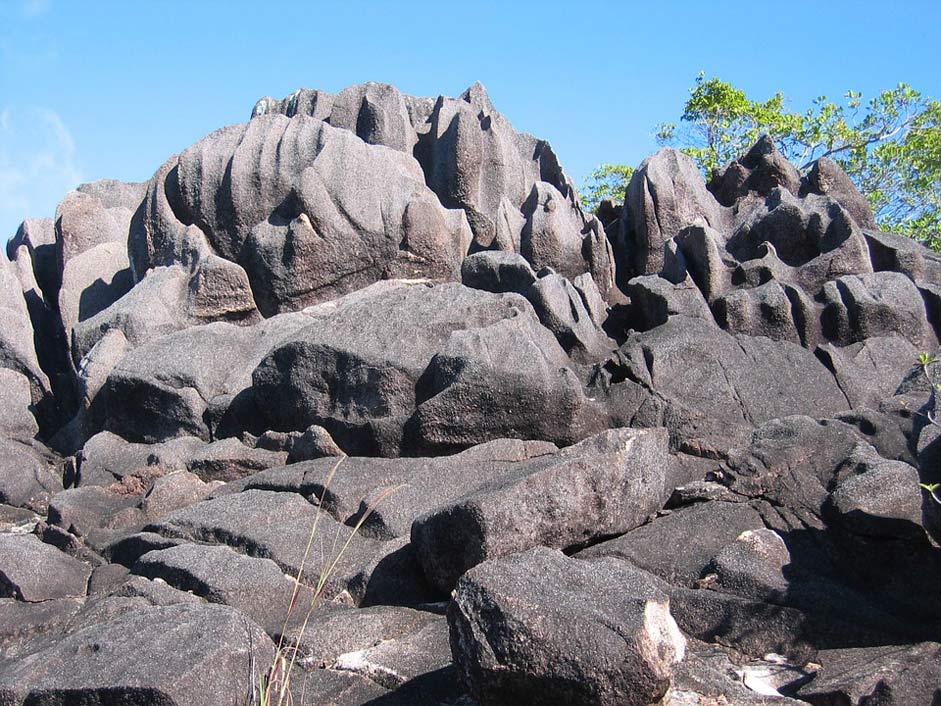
x: 675, y: 459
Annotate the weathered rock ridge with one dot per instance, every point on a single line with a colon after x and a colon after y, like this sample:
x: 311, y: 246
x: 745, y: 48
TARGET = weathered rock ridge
x: 677, y: 458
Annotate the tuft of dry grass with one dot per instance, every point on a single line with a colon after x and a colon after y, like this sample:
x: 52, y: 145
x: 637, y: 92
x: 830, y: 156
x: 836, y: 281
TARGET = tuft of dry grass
x: 273, y: 687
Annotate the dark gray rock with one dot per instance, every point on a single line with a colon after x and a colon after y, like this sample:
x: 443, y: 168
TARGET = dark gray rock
x: 127, y: 549
x: 258, y: 588
x: 38, y: 237
x: 397, y: 662
x: 655, y: 299
x: 327, y: 686
x: 870, y: 371
x: 888, y: 428
x: 23, y: 624
x: 591, y: 296
x: 193, y: 382
x: 679, y: 546
x: 177, y: 489
x: 764, y: 310
x: 813, y: 235
x: 27, y: 478
x: 902, y: 675
x: 17, y: 345
x: 420, y: 484
x: 883, y: 500
x: 497, y: 271
x: 334, y: 216
x: 858, y: 307
x: 154, y: 307
x: 106, y: 577
x: 759, y: 171
x: 343, y: 631
x: 827, y: 179
x: 700, y: 247
x: 91, y: 282
x: 712, y: 674
x: 106, y: 457
x: 16, y: 419
x: 752, y: 627
x: 510, y: 186
x: 153, y: 592
x: 484, y: 382
x: 434, y: 347
x: 175, y: 655
x: 897, y: 253
x: 562, y: 310
x: 81, y: 510
x: 605, y: 485
x: 32, y: 571
x: 753, y: 566
x: 539, y: 628
x: 718, y: 386
x: 230, y: 459
x: 315, y: 442
x: 278, y: 526
x: 84, y: 221
x: 665, y: 195
x: 793, y: 461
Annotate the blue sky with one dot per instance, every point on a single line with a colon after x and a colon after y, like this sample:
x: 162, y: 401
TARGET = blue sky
x: 92, y: 90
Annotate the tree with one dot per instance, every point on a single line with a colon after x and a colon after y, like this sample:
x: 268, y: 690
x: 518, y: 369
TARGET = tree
x: 607, y: 181
x: 890, y: 146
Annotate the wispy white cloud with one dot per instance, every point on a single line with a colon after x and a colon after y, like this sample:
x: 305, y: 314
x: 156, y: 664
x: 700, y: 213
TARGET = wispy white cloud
x: 38, y: 165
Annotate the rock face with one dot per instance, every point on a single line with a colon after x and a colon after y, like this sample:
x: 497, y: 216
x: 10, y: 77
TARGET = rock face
x: 605, y: 485
x: 539, y: 628
x: 361, y: 380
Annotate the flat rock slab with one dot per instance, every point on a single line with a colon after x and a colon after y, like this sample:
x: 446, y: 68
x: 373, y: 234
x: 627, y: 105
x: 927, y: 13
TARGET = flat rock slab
x: 420, y: 484
x: 903, y: 675
x: 693, y: 536
x: 21, y: 622
x: 708, y: 676
x: 256, y: 587
x: 334, y: 631
x: 603, y: 486
x: 277, y: 526
x: 395, y: 662
x: 33, y: 571
x: 180, y: 655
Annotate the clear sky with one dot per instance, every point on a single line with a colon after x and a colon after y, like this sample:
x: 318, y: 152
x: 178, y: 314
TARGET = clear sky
x: 92, y: 90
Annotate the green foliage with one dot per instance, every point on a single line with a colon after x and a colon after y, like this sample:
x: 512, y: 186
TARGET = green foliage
x: 889, y: 146
x: 608, y: 181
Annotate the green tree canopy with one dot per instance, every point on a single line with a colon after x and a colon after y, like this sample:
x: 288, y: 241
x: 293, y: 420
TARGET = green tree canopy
x: 889, y: 146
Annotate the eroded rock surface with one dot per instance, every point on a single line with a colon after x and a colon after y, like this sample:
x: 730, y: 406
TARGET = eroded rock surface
x: 360, y: 378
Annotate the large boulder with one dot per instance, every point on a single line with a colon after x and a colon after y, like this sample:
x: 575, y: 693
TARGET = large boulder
x: 814, y: 235
x: 179, y: 655
x: 329, y: 215
x: 32, y: 571
x: 466, y: 359
x: 511, y: 187
x: 665, y: 195
x: 606, y: 485
x: 17, y: 346
x: 539, y: 628
x: 718, y: 387
x: 759, y: 171
x: 349, y: 489
x: 28, y: 477
x: 828, y: 179
x: 192, y: 382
